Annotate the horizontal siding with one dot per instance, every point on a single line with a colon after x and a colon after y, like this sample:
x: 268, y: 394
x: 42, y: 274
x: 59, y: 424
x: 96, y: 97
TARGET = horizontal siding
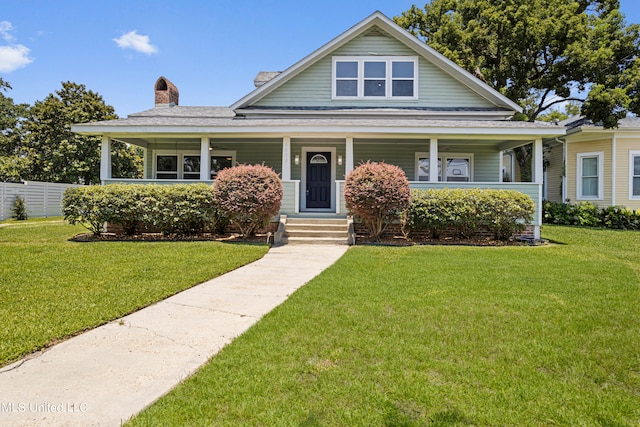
x: 296, y: 149
x: 573, y: 148
x: 486, y: 159
x: 42, y: 199
x: 312, y: 87
x: 288, y: 205
x: 623, y: 174
x: 554, y: 174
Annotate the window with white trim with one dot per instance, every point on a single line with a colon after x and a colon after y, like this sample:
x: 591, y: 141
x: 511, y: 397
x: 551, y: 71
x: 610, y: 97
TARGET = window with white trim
x: 458, y: 167
x: 590, y: 176
x: 634, y: 174
x: 221, y: 160
x: 172, y: 165
x: 366, y: 77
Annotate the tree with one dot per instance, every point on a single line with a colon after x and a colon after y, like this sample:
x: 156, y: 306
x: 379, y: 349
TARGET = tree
x: 58, y: 155
x: 540, y: 52
x: 13, y: 161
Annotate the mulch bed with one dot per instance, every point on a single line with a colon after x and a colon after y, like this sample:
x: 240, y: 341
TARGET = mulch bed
x: 262, y: 238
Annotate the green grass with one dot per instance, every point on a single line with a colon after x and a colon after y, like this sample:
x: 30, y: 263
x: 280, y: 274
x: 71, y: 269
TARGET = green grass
x: 51, y: 288
x: 438, y: 336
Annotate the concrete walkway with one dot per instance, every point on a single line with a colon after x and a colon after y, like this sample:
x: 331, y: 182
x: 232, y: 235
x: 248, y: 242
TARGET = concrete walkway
x: 107, y: 375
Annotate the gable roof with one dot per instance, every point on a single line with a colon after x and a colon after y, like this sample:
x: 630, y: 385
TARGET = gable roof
x: 379, y: 20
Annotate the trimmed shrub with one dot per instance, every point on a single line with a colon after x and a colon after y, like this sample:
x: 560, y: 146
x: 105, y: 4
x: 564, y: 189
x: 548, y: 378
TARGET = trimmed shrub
x: 90, y: 206
x: 586, y: 214
x: 469, y: 211
x: 621, y: 218
x: 376, y: 193
x: 19, y: 209
x: 248, y: 196
x: 181, y: 209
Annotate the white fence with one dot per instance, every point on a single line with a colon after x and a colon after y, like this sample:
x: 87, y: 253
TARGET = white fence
x: 42, y: 199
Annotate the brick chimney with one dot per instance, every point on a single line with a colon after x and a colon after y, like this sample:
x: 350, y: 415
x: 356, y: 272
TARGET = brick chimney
x: 166, y: 93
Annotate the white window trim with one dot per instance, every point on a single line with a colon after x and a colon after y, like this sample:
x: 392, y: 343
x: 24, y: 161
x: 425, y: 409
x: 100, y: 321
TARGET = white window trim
x: 600, y: 156
x: 632, y: 154
x: 443, y: 157
x: 388, y: 78
x: 180, y: 155
x: 221, y: 153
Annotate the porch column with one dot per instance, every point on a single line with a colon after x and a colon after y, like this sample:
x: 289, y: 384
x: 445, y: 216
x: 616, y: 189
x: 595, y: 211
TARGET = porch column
x: 348, y: 156
x: 538, y: 169
x: 538, y: 177
x: 205, y: 161
x: 286, y: 158
x: 433, y: 160
x: 105, y: 159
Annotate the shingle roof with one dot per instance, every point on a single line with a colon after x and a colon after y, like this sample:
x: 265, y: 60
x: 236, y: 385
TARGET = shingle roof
x: 224, y: 117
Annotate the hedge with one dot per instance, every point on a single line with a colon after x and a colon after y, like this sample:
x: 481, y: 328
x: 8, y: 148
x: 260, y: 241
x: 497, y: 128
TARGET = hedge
x: 587, y: 214
x: 468, y: 212
x: 180, y: 209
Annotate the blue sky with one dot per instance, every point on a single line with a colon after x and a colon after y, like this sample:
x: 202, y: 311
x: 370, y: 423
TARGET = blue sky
x: 210, y: 49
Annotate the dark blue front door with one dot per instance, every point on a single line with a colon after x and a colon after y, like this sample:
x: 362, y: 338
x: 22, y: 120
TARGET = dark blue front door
x: 319, y: 180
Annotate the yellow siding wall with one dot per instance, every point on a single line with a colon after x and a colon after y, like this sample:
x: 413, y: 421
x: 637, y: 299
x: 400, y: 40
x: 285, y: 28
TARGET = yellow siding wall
x: 623, y: 147
x: 553, y: 176
x: 573, y: 149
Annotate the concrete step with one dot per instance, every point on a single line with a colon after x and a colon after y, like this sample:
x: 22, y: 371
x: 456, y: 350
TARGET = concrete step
x: 333, y: 231
x: 317, y: 233
x: 316, y: 241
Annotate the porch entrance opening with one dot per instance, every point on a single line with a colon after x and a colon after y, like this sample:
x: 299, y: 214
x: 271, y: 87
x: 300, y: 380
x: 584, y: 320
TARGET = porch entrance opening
x: 318, y: 192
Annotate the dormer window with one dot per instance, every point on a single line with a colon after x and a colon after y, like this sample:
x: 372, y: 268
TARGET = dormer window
x: 366, y: 77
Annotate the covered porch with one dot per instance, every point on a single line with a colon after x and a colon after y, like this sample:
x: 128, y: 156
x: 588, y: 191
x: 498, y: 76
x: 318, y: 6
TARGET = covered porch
x: 313, y: 167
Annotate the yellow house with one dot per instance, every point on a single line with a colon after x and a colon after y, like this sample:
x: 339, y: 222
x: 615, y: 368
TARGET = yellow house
x: 593, y: 164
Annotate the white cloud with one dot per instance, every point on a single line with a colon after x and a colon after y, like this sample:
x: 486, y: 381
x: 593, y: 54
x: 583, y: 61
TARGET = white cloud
x: 12, y: 56
x: 137, y: 42
x: 5, y: 28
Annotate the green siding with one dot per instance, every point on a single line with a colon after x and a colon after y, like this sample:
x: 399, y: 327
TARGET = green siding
x: 312, y: 87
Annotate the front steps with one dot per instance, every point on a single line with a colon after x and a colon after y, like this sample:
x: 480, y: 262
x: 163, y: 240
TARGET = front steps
x: 320, y: 231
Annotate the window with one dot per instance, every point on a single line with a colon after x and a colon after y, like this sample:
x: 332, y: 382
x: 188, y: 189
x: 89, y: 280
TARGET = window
x: 458, y: 167
x: 221, y: 160
x: 167, y: 167
x: 589, y: 177
x: 191, y: 167
x: 634, y: 174
x: 375, y: 77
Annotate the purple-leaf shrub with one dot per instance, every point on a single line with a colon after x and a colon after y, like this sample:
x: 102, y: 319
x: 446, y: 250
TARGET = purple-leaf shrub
x: 248, y: 196
x: 376, y: 193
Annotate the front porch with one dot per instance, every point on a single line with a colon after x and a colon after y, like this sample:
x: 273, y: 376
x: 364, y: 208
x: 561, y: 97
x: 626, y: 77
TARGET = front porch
x: 313, y: 168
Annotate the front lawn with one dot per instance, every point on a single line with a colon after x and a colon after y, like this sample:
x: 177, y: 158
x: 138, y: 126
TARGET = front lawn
x: 438, y: 336
x: 51, y: 288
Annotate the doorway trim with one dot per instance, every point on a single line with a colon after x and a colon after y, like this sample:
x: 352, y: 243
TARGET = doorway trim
x: 303, y: 178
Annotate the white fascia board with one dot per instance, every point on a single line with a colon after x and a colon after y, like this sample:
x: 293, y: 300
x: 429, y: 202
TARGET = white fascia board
x: 378, y: 18
x: 341, y: 131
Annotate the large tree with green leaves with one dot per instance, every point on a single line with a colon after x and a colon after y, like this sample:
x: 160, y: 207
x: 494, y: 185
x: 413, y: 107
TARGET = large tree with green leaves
x: 13, y: 161
x: 540, y: 52
x: 58, y: 155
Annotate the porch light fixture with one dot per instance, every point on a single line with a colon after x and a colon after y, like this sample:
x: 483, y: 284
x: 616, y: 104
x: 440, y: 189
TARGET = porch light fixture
x: 296, y: 159
x: 339, y: 160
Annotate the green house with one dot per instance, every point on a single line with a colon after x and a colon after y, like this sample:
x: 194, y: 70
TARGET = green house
x: 375, y: 92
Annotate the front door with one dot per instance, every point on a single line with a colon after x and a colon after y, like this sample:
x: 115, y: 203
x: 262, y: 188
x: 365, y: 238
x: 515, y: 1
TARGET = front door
x: 318, y: 180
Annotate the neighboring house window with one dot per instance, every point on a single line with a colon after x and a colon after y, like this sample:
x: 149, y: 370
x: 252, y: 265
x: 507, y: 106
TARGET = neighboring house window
x: 634, y: 174
x: 375, y: 77
x: 221, y: 160
x: 458, y: 167
x: 590, y: 176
